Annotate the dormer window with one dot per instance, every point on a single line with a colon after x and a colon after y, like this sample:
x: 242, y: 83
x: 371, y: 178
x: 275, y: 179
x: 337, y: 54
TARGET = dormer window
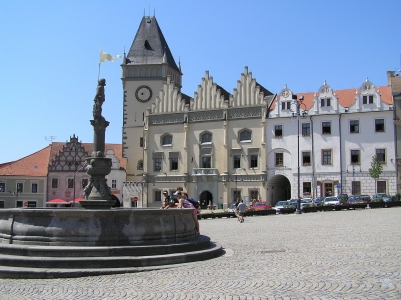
x: 367, y: 99
x: 286, y: 105
x: 325, y: 102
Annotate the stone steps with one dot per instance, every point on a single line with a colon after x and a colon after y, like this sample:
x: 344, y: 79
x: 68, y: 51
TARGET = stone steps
x: 28, y: 261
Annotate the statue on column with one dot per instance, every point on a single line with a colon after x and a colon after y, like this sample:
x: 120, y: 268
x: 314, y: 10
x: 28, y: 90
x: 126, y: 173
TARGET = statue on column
x: 99, y: 99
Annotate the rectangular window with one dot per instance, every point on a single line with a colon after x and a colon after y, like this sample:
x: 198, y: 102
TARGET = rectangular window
x: 158, y: 196
x: 254, y: 161
x: 326, y: 157
x: 356, y: 188
x: 354, y: 126
x: 206, y: 162
x: 2, y: 187
x: 84, y: 182
x: 307, y: 188
x: 113, y: 183
x: 286, y: 105
x: 367, y: 98
x: 237, y: 161
x: 2, y: 204
x: 70, y: 183
x: 325, y: 102
x: 326, y: 127
x: 174, y: 164
x: 141, y: 142
x: 381, y: 155
x: 237, y: 194
x: 158, y: 164
x: 379, y: 125
x: 254, y: 194
x: 54, y: 183
x: 306, y: 161
x: 20, y: 187
x: 34, y: 188
x: 381, y: 187
x: 305, y: 129
x: 278, y: 131
x: 279, y: 159
x: 355, y: 159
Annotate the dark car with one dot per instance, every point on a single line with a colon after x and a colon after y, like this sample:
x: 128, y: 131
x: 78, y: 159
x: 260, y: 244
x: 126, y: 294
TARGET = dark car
x: 319, y: 200
x: 343, y: 198
x: 365, y: 198
x: 354, y: 199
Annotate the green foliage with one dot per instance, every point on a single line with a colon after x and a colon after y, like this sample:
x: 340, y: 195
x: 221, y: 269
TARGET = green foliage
x: 398, y: 196
x: 376, y: 168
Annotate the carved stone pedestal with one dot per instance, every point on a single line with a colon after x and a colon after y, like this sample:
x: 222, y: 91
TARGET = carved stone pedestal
x: 97, y: 192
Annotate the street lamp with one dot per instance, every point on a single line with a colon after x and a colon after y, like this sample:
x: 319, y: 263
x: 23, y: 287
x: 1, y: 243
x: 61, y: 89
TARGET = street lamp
x: 353, y: 176
x: 16, y: 192
x: 296, y: 116
x: 83, y: 166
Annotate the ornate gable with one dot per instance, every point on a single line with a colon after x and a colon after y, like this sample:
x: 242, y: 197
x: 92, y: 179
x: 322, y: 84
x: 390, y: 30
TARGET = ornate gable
x: 70, y: 158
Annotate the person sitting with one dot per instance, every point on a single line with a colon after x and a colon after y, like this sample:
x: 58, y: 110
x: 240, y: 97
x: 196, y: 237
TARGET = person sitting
x: 184, y: 203
x: 169, y: 201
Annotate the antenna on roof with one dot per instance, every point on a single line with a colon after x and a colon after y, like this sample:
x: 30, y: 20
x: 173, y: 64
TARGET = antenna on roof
x: 50, y: 138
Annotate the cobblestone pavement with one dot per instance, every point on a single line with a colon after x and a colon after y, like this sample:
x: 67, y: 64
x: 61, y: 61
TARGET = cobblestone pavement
x: 324, y: 255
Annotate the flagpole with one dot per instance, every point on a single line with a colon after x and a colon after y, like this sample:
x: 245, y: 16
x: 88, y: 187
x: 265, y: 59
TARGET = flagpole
x: 100, y: 55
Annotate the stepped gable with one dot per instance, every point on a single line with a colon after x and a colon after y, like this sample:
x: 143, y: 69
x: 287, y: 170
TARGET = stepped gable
x: 34, y: 164
x: 150, y: 46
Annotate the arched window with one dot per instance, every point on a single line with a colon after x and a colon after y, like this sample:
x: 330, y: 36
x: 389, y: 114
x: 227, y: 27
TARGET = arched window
x: 206, y: 138
x: 167, y: 140
x: 245, y: 135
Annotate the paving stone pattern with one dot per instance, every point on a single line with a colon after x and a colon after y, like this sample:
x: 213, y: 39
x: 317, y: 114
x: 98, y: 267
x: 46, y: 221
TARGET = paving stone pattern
x: 323, y: 255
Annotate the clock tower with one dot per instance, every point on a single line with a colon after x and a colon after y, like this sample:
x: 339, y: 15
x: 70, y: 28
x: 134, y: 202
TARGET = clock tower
x: 144, y: 70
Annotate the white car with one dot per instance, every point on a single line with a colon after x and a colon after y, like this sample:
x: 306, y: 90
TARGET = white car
x: 279, y: 205
x: 331, y: 201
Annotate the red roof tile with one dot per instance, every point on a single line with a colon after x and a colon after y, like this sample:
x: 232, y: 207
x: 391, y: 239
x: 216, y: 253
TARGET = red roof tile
x: 32, y: 165
x: 37, y: 163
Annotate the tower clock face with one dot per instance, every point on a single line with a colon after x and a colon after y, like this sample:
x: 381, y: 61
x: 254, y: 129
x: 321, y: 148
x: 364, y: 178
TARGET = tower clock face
x: 143, y: 93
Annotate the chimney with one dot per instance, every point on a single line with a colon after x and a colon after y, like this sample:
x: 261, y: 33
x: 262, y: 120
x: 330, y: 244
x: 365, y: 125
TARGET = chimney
x: 389, y: 75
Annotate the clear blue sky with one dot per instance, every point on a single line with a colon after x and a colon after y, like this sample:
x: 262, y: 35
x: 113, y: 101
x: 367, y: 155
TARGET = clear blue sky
x: 50, y: 52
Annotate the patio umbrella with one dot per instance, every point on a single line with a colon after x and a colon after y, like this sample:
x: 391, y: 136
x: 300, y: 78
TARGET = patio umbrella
x: 57, y: 200
x: 76, y: 200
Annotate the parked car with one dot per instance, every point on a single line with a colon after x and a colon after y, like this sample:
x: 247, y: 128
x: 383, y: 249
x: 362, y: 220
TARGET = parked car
x: 280, y: 205
x: 261, y: 205
x: 381, y: 196
x: 365, y: 198
x: 231, y: 209
x: 331, y: 201
x: 343, y: 198
x: 307, y: 202
x: 319, y: 200
x: 354, y: 199
x: 294, y: 202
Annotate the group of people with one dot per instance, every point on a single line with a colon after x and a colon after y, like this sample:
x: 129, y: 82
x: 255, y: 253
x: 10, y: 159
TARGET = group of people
x: 240, y: 210
x: 179, y: 199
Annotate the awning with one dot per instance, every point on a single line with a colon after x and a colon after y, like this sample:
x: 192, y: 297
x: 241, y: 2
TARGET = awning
x: 76, y: 200
x: 57, y: 200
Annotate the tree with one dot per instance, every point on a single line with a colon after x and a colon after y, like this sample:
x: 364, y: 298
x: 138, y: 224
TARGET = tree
x: 376, y: 169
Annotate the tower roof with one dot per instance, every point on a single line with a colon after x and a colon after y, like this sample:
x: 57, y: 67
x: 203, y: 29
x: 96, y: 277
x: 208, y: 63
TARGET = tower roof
x: 149, y: 46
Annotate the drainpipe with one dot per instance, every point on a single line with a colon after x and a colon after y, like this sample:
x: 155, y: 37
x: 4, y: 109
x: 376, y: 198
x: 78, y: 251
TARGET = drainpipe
x: 313, y: 162
x: 341, y: 161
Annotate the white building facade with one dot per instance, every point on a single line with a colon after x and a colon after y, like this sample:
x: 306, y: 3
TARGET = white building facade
x: 339, y: 133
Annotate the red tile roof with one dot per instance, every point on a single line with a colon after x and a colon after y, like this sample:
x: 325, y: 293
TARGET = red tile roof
x: 32, y: 165
x: 37, y: 163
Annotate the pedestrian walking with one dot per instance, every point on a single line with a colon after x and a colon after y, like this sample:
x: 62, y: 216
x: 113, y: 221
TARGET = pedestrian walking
x: 241, y: 211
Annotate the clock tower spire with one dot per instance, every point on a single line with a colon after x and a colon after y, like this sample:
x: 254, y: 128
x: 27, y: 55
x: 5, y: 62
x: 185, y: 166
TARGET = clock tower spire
x: 145, y: 68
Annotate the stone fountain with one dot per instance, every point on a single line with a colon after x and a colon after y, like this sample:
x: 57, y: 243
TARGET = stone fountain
x: 97, y: 239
